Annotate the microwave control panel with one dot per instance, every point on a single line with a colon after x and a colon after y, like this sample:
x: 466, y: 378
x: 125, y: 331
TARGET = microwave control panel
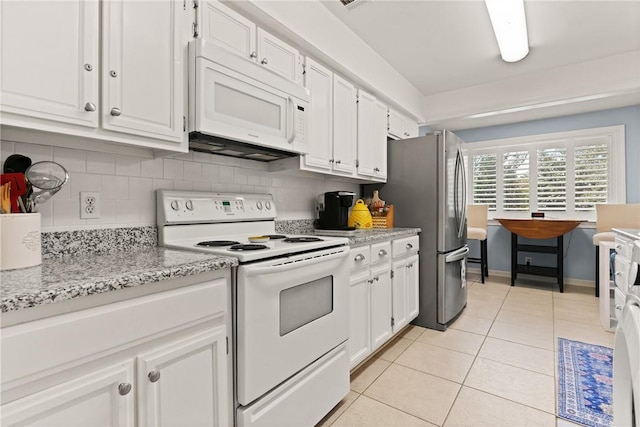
x: 301, y: 124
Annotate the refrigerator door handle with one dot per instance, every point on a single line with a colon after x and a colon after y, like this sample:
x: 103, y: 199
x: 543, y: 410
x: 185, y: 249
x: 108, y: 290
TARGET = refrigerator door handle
x: 464, y: 192
x: 456, y: 200
x: 457, y: 255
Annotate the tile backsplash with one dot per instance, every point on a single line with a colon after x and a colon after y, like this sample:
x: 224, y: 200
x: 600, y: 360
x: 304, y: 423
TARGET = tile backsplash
x: 127, y: 184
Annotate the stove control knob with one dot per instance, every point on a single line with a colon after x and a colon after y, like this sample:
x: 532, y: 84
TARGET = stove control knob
x: 267, y: 205
x: 259, y: 205
x: 175, y: 205
x: 189, y: 204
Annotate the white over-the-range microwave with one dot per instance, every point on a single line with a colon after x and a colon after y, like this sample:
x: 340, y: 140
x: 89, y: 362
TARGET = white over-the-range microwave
x: 239, y: 108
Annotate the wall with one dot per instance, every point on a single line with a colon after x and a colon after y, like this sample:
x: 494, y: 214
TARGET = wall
x: 579, y: 249
x: 127, y: 184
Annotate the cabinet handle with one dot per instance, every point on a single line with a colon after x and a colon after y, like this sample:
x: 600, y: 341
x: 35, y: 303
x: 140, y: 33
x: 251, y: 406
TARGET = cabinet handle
x: 382, y: 252
x: 88, y: 67
x: 359, y: 257
x: 409, y: 246
x: 618, y: 246
x: 253, y: 55
x: 115, y: 112
x: 331, y: 160
x: 113, y: 73
x: 89, y: 106
x: 124, y: 389
x: 264, y: 61
x: 154, y: 376
x: 376, y: 169
x: 618, y: 273
x: 618, y: 307
x: 376, y: 278
x: 370, y: 281
x: 338, y: 162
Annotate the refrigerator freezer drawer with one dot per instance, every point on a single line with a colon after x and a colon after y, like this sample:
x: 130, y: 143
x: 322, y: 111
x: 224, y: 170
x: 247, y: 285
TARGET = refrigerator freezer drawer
x: 452, y: 284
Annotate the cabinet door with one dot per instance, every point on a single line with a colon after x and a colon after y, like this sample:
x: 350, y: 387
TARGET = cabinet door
x: 366, y: 133
x: 345, y: 126
x: 102, y: 398
x: 49, y: 56
x: 229, y: 29
x: 380, y: 306
x: 319, y: 81
x: 185, y: 383
x: 142, y: 73
x: 379, y: 142
x: 410, y: 128
x: 396, y: 124
x: 279, y: 57
x: 413, y: 281
x: 399, y: 294
x: 359, y: 326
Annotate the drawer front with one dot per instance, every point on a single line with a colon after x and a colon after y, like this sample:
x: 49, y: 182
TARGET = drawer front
x: 405, y: 246
x: 381, y: 252
x: 621, y: 278
x: 624, y: 246
x: 620, y: 299
x: 360, y: 257
x: 36, y: 346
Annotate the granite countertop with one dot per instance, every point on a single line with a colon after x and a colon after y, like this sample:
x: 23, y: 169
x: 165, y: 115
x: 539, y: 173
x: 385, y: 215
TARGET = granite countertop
x: 631, y: 233
x: 59, y: 279
x: 371, y: 235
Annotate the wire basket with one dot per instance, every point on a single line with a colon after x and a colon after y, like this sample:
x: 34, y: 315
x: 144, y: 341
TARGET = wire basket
x: 383, y: 219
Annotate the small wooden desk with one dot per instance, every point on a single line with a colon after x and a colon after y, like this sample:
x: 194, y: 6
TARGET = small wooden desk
x: 538, y: 228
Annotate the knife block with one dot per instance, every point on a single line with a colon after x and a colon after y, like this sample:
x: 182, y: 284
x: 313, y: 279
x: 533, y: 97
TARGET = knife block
x: 20, y: 241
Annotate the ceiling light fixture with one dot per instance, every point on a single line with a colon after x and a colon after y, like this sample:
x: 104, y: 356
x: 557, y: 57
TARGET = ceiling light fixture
x: 510, y: 27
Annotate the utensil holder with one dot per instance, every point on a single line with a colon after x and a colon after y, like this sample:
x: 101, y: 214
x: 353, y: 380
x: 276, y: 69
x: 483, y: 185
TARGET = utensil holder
x: 383, y: 219
x: 20, y: 241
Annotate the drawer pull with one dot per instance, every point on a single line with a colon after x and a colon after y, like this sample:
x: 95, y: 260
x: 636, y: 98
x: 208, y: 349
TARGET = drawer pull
x: 618, y: 307
x: 154, y: 376
x: 618, y: 273
x: 358, y: 258
x: 382, y: 252
x: 124, y: 389
x: 409, y: 246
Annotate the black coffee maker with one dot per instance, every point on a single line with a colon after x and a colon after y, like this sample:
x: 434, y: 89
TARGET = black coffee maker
x: 333, y: 210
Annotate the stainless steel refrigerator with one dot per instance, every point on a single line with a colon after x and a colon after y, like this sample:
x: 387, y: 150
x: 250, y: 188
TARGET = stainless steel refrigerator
x: 426, y: 183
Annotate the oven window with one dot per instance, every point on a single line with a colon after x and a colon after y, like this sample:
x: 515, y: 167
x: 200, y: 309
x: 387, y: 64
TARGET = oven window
x: 305, y: 303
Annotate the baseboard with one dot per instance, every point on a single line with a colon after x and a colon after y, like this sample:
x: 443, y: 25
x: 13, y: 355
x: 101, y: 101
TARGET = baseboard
x: 567, y: 280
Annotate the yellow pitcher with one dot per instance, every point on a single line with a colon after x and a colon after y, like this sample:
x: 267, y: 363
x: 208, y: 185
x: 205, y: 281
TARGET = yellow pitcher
x: 360, y: 216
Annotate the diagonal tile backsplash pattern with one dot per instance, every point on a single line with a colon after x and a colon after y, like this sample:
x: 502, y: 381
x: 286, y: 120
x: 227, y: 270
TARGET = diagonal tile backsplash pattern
x: 127, y: 184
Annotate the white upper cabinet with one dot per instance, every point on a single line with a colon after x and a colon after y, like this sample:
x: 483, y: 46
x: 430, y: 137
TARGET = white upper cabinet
x: 228, y: 28
x: 109, y: 70
x: 142, y: 68
x: 401, y: 127
x: 372, y: 137
x: 319, y: 81
x: 345, y: 126
x: 49, y: 56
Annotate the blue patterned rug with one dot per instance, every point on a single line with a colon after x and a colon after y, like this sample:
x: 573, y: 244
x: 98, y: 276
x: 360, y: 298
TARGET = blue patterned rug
x: 585, y: 383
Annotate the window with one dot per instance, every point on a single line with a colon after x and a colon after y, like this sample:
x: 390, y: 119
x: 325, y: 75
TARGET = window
x: 562, y: 174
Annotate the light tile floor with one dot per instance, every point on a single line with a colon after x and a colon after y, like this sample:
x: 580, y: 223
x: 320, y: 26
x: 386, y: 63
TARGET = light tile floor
x: 494, y: 366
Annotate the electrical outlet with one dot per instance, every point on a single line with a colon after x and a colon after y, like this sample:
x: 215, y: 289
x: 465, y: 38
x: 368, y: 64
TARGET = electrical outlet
x: 527, y: 261
x: 89, y: 205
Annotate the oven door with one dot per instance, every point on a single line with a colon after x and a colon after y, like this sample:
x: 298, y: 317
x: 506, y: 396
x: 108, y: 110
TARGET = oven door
x: 290, y: 312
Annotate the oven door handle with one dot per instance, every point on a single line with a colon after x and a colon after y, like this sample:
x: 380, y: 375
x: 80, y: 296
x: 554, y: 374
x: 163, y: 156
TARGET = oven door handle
x: 297, y: 261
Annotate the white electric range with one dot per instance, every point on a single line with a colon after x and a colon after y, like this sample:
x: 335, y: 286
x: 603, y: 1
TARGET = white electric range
x: 290, y: 301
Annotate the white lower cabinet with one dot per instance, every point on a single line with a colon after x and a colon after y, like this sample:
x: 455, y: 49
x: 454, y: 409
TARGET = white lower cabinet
x: 102, y: 398
x: 154, y: 360
x: 383, y: 297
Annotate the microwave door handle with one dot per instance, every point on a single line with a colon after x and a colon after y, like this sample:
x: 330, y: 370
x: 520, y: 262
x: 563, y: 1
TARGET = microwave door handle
x: 292, y: 136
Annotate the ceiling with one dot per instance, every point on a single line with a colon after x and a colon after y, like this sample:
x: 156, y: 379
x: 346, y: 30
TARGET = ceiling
x: 449, y: 46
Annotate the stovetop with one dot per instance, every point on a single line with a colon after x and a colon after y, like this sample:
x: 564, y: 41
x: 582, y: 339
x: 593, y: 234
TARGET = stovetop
x: 199, y: 221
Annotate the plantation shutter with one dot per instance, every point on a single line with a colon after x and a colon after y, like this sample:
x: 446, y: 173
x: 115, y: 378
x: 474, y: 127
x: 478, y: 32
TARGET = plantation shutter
x: 484, y: 180
x: 515, y: 181
x: 591, y: 176
x: 552, y: 179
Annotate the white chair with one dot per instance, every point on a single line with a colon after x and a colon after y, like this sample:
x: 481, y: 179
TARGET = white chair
x: 608, y: 217
x: 477, y: 218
